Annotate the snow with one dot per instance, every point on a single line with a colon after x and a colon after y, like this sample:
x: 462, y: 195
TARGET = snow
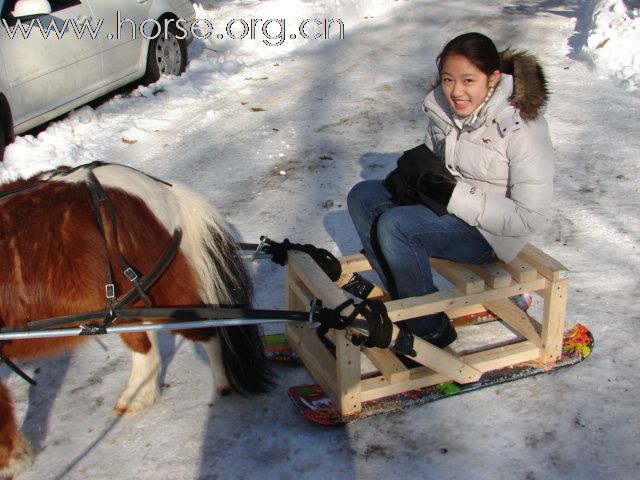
x: 613, y: 39
x: 275, y: 137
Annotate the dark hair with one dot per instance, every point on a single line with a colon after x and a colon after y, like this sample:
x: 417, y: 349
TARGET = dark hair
x: 476, y: 47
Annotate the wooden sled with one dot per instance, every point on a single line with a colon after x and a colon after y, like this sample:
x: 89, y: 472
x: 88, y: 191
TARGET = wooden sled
x: 338, y: 370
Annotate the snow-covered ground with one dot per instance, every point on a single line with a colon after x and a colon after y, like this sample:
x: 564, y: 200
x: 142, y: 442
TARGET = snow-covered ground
x: 275, y: 136
x: 612, y: 40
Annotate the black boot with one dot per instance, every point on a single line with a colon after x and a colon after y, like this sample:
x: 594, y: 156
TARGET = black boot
x: 435, y: 329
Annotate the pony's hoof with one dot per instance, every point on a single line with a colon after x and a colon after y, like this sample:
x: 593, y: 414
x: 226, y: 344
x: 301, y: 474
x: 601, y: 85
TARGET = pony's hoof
x: 130, y: 404
x: 130, y: 407
x: 20, y: 459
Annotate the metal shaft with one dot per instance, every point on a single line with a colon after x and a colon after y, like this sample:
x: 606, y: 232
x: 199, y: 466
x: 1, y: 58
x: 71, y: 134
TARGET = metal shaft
x: 147, y: 327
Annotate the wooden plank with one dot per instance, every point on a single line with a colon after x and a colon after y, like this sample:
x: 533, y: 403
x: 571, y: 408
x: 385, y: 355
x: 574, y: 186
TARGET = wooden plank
x: 447, y: 300
x: 298, y: 296
x: 348, y: 375
x: 464, y: 311
x: 354, y: 263
x: 441, y: 361
x: 379, y: 294
x: 554, y: 311
x: 516, y: 318
x: 392, y: 369
x: 520, y: 270
x: 291, y: 298
x: 457, y: 273
x: 493, y: 275
x: 548, y: 267
x: 504, y: 356
x: 314, y: 354
x: 303, y: 266
x: 377, y: 387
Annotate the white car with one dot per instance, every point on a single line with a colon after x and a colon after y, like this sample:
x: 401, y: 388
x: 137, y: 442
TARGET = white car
x: 59, y: 54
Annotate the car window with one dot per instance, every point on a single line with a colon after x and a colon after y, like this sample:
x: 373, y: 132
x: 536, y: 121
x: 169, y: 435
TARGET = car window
x: 62, y: 4
x: 7, y: 8
x: 56, y: 5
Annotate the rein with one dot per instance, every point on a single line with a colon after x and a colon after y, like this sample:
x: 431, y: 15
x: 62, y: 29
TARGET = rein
x: 100, y: 198
x: 368, y: 320
x: 376, y: 325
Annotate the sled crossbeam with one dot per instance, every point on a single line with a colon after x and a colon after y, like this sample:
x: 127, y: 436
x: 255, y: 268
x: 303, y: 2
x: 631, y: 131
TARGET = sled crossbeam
x: 476, y: 288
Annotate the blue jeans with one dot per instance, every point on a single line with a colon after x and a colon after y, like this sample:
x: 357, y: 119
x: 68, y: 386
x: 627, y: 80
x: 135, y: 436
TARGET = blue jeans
x: 399, y: 239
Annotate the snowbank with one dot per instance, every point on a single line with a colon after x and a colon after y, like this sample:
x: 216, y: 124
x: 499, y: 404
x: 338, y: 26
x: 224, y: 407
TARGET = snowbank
x: 613, y: 39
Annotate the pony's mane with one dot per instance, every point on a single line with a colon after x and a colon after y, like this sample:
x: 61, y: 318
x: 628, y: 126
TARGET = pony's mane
x: 205, y: 240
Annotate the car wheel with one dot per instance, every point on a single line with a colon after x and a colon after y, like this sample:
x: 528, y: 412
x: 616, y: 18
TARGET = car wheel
x: 167, y: 55
x: 3, y: 140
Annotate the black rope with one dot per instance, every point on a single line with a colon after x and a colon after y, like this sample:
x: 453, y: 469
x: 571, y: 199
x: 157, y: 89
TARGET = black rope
x: 331, y: 318
x: 17, y: 369
x: 374, y: 312
x: 325, y: 260
x: 379, y: 325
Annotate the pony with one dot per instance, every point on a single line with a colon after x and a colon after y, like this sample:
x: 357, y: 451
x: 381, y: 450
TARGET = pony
x: 64, y: 238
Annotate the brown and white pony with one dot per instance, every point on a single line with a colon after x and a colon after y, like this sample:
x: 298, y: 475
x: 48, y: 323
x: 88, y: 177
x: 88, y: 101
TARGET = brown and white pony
x: 53, y: 259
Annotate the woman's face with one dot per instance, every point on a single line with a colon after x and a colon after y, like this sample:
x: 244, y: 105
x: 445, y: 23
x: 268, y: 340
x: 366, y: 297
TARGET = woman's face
x: 465, y: 85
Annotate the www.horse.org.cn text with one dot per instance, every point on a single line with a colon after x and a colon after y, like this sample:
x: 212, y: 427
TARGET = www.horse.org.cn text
x: 272, y: 32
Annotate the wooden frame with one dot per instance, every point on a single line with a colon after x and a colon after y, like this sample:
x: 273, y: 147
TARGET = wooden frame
x: 476, y: 288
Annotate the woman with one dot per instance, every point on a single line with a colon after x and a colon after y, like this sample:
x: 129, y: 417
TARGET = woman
x: 486, y: 129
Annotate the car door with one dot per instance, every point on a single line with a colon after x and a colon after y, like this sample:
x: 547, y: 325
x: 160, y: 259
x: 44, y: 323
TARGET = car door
x: 122, y: 42
x: 48, y: 67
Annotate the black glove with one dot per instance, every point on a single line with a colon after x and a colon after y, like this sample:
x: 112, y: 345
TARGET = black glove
x: 434, y: 190
x: 401, y: 182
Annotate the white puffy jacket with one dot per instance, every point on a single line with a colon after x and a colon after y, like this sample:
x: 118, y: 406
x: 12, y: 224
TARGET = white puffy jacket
x: 503, y: 161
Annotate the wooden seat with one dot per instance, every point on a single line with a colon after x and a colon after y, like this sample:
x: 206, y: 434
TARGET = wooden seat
x: 475, y: 288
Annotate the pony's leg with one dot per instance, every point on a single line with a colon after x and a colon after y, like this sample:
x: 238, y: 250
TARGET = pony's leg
x: 213, y: 347
x: 15, y: 452
x: 143, y: 389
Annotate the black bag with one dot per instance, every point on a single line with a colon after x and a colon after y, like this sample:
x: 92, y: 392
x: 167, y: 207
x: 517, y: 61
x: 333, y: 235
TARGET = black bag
x: 402, y: 182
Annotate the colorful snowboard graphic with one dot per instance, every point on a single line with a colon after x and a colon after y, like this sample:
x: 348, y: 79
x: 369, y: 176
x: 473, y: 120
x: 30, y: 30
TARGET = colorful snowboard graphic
x: 318, y: 407
x: 278, y: 350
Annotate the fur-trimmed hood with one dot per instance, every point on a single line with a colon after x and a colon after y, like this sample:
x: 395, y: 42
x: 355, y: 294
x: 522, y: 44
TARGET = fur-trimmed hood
x: 523, y: 86
x: 530, y: 92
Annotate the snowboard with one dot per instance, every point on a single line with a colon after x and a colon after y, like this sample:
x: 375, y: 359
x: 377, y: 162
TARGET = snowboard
x: 319, y: 408
x: 278, y: 350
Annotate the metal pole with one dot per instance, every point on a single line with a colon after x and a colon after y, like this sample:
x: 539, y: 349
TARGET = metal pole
x: 147, y: 327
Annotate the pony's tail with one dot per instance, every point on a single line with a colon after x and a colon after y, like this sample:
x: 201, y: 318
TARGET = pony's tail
x: 223, y: 281
x: 244, y: 361
x: 243, y: 356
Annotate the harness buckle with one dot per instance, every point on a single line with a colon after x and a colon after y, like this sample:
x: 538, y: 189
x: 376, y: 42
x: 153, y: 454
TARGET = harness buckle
x: 110, y: 290
x: 316, y: 307
x: 93, y: 330
x: 131, y: 274
x: 263, y: 241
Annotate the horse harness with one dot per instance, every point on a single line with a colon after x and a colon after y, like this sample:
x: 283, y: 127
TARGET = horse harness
x: 376, y: 331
